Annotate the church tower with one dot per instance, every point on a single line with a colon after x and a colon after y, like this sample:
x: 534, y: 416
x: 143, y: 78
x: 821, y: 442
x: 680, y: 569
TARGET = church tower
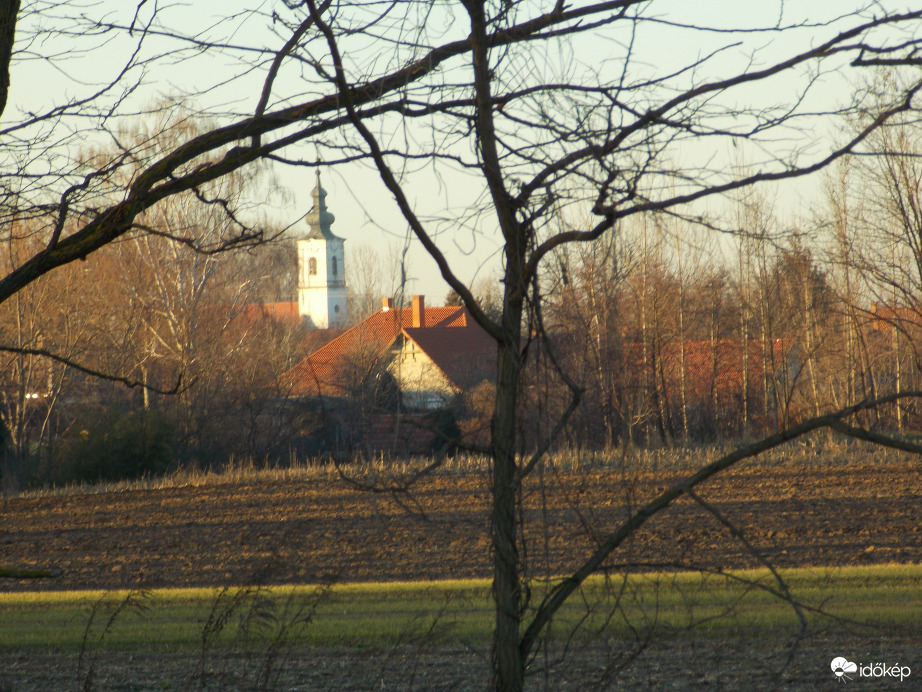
x: 321, y: 268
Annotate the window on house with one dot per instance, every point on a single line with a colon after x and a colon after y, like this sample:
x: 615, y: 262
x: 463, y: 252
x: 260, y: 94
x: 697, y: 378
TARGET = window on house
x: 334, y: 266
x: 312, y: 266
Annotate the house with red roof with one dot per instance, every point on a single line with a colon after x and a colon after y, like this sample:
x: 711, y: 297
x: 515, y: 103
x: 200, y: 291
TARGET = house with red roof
x: 430, y: 354
x: 282, y: 313
x: 722, y: 370
x: 886, y: 319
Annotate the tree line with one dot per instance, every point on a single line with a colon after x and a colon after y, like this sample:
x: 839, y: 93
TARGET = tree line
x: 673, y: 336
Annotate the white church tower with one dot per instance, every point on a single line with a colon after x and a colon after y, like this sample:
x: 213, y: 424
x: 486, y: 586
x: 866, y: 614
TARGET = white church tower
x: 321, y: 268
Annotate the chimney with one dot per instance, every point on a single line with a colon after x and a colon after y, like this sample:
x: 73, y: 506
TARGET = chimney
x: 386, y: 304
x: 419, y: 311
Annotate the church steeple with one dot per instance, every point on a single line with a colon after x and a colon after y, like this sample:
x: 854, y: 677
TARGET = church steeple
x: 321, y: 268
x: 319, y: 218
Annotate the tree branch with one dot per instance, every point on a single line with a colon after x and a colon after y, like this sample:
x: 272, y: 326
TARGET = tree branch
x: 130, y: 383
x: 560, y: 593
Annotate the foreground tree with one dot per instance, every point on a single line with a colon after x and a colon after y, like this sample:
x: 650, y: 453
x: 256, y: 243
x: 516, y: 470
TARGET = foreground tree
x: 605, y: 141
x: 549, y: 104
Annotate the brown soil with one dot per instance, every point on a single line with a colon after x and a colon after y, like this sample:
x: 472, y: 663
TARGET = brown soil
x: 739, y: 664
x: 318, y: 530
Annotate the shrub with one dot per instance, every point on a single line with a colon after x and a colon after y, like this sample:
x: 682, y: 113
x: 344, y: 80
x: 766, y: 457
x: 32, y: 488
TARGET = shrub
x: 115, y: 445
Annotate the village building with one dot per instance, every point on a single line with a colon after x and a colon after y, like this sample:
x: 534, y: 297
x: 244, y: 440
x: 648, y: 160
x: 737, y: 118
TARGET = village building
x: 395, y: 383
x: 388, y: 384
x: 430, y: 355
x: 322, y: 268
x: 426, y: 355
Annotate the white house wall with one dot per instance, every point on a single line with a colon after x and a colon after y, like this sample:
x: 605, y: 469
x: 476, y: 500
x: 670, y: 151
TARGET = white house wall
x: 421, y: 382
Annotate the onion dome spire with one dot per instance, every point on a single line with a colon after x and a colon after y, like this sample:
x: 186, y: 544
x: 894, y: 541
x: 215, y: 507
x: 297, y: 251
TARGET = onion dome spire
x: 319, y: 218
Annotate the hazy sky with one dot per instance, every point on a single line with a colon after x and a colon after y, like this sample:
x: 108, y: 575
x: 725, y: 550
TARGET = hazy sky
x: 364, y: 211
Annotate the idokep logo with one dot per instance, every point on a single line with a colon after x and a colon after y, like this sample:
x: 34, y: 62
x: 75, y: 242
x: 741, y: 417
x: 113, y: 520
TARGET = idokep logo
x: 841, y: 667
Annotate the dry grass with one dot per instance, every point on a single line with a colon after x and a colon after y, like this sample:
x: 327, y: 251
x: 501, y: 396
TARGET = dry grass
x: 807, y: 452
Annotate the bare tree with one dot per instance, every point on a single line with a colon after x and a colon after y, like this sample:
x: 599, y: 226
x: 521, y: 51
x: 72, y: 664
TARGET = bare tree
x: 892, y: 187
x: 876, y: 224
x: 374, y: 275
x: 514, y: 92
x: 586, y: 313
x: 621, y: 168
x: 30, y: 322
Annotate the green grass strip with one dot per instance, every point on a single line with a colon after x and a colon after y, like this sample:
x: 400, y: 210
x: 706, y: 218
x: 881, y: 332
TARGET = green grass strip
x: 381, y: 614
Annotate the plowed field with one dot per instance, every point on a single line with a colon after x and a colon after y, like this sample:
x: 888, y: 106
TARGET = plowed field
x: 318, y: 530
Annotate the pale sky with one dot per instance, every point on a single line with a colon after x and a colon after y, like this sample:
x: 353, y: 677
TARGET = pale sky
x: 364, y: 211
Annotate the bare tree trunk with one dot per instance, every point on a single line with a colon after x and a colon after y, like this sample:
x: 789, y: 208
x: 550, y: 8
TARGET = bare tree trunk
x: 810, y: 341
x: 714, y: 332
x: 770, y: 398
x: 9, y: 10
x: 145, y: 391
x: 508, y: 665
x: 683, y: 375
x: 744, y: 288
x: 508, y: 659
x: 898, y: 374
x: 648, y: 380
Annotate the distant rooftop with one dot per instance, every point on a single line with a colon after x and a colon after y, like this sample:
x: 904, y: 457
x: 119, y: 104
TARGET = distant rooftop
x: 456, y: 344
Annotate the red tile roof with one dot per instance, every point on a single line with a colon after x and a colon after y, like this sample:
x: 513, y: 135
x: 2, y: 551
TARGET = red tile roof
x: 718, y: 366
x: 886, y: 319
x: 285, y: 312
x: 466, y: 356
x: 455, y: 340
